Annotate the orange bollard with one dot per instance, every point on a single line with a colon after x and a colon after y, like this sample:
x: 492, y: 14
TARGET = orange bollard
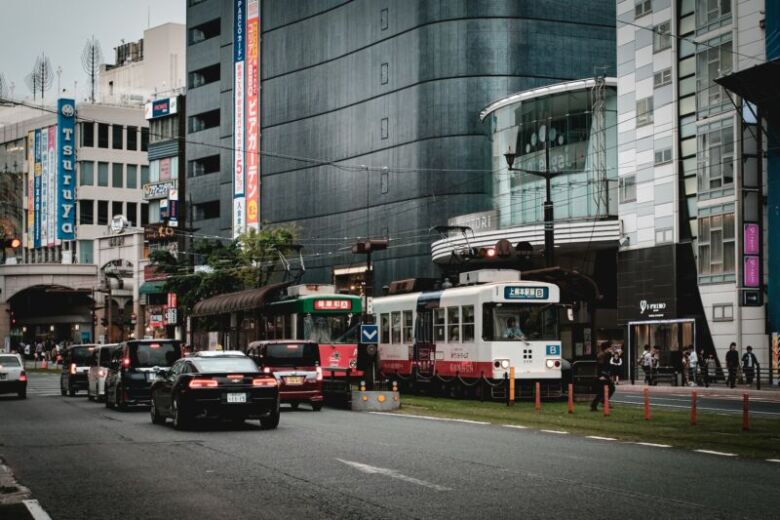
x: 647, y: 404
x: 538, y: 397
x: 606, y: 401
x: 745, y: 413
x: 44, y: 364
x: 694, y: 397
x: 571, y: 398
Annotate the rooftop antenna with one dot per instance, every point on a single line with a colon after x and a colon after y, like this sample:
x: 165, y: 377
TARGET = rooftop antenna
x: 40, y: 78
x: 91, y: 59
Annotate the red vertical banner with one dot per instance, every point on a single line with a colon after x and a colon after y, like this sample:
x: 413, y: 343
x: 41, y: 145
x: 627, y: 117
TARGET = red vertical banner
x: 252, y: 114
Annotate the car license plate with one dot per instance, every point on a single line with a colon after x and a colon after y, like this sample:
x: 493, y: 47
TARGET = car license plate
x: 236, y: 398
x: 296, y: 380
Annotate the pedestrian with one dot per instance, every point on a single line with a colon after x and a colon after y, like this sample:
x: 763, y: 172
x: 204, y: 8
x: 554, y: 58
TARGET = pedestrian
x: 732, y: 364
x: 693, y: 358
x: 686, y: 367
x: 646, y: 362
x: 615, y: 364
x: 749, y: 364
x: 656, y: 361
x: 604, y: 377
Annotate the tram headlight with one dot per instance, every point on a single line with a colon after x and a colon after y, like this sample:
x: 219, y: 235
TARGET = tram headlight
x: 553, y: 363
x: 501, y: 363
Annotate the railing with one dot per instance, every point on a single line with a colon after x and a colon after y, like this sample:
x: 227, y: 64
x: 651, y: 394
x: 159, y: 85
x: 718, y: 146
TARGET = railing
x: 758, y: 377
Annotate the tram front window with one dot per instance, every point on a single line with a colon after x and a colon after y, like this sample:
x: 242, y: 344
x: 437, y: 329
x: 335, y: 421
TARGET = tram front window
x: 520, y: 322
x: 325, y: 329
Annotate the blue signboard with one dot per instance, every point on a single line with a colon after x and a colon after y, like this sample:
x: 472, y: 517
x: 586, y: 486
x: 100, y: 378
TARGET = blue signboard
x: 553, y: 350
x: 66, y: 165
x: 526, y: 293
x: 37, y: 188
x: 369, y: 334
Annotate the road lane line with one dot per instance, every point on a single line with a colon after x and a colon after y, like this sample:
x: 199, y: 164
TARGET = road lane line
x: 516, y: 426
x: 600, y: 438
x: 35, y: 509
x: 773, y: 460
x: 721, y: 453
x: 430, y: 418
x: 653, y: 444
x: 559, y: 432
x: 374, y: 470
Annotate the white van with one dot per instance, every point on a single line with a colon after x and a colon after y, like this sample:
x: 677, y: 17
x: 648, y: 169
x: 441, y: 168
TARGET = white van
x: 98, y: 370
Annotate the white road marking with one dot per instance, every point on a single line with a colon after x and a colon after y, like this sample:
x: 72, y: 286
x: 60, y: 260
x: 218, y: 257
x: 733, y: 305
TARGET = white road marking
x: 653, y: 445
x: 721, y: 453
x: 559, y: 432
x: 35, y: 509
x: 365, y: 468
x: 600, y: 438
x: 516, y: 426
x: 773, y: 460
x: 430, y: 418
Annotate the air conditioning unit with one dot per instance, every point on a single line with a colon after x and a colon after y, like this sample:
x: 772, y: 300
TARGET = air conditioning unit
x: 489, y: 276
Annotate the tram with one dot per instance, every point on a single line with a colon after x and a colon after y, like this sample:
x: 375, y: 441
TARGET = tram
x: 492, y: 322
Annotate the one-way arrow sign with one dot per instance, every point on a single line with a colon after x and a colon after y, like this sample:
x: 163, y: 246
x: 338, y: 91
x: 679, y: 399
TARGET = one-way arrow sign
x: 369, y: 334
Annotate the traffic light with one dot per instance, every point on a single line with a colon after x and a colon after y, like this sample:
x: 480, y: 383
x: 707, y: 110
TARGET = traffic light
x: 366, y: 356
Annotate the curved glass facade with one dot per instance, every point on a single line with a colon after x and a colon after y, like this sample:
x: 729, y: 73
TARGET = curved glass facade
x: 577, y: 122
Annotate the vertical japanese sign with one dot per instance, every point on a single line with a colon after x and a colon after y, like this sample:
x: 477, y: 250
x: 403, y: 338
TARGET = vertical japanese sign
x: 37, y: 190
x: 66, y: 159
x: 44, y: 213
x: 239, y: 199
x: 253, y: 114
x: 52, y: 231
x: 30, y: 190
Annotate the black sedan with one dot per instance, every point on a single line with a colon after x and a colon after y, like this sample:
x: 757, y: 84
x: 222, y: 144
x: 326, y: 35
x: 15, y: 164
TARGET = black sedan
x: 215, y: 385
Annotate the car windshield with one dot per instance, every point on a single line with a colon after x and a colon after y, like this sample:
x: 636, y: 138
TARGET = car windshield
x: 291, y: 354
x: 225, y: 364
x: 9, y: 361
x: 157, y: 354
x: 80, y: 355
x: 520, y: 322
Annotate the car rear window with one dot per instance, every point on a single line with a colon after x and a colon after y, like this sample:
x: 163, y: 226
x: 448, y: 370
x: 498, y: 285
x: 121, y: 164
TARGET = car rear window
x: 80, y: 355
x: 226, y: 364
x: 158, y: 354
x: 9, y: 361
x: 105, y: 356
x: 291, y: 354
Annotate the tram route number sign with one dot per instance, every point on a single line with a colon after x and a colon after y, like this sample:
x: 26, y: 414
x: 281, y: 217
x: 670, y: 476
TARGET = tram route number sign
x: 526, y: 293
x: 369, y: 334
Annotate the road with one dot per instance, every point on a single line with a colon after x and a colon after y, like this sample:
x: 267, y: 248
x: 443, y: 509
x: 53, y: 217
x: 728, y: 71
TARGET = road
x: 718, y: 403
x: 82, y: 461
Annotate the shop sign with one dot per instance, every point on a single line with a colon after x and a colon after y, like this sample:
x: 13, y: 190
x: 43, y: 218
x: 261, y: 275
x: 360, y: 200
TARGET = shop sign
x: 160, y: 108
x: 66, y: 184
x: 159, y: 233
x: 156, y: 320
x: 158, y: 190
x: 652, y: 309
x: 481, y: 221
x: 751, y: 271
x: 751, y: 239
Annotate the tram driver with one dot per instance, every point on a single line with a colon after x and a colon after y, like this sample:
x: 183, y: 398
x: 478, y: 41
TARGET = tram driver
x: 512, y: 330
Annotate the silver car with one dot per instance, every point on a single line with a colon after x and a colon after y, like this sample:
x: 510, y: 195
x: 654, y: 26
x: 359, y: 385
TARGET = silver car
x: 98, y: 370
x: 13, y: 379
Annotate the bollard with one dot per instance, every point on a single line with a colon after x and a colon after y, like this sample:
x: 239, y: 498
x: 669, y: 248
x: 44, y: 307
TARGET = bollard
x: 506, y: 386
x: 538, y: 404
x: 571, y: 398
x: 606, y: 400
x: 44, y: 364
x: 745, y: 413
x: 647, y: 404
x: 511, y: 386
x: 694, y: 398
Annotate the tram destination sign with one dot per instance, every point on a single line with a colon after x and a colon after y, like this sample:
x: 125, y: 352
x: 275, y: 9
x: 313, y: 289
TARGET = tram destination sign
x: 526, y: 293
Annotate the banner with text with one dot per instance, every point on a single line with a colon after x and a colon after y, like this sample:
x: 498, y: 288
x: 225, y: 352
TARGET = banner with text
x: 239, y: 199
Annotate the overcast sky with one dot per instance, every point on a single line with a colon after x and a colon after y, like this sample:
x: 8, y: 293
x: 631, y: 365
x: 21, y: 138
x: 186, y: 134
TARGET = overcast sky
x: 60, y: 28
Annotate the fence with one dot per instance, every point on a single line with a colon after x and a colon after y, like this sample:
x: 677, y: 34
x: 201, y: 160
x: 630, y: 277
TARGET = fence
x: 755, y: 378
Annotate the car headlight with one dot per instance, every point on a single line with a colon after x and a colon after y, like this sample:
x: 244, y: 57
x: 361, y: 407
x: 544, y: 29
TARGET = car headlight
x: 501, y: 363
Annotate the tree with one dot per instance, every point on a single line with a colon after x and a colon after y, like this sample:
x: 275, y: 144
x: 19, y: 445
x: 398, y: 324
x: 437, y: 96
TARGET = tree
x: 260, y: 252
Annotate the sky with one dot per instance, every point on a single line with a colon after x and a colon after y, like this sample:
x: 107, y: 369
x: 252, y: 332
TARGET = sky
x: 60, y: 28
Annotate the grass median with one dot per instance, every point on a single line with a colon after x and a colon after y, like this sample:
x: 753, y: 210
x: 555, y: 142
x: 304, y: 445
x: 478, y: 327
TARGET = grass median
x: 713, y: 431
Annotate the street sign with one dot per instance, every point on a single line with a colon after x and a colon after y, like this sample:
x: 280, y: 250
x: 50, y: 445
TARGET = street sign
x: 369, y: 334
x: 172, y: 316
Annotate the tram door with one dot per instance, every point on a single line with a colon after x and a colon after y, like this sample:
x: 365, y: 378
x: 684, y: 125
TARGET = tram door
x: 424, y: 348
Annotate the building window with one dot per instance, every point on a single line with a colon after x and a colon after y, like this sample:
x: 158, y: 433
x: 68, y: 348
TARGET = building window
x: 711, y: 14
x: 116, y: 208
x: 384, y: 127
x: 132, y: 213
x: 102, y: 135
x: 438, y: 324
x: 644, y: 111
x: 144, y: 139
x: 643, y: 7
x: 407, y: 336
x: 204, y: 121
x: 154, y: 212
x: 716, y: 244
x: 144, y: 175
x: 627, y: 188
x: 132, y: 138
x: 467, y: 312
x: 144, y: 214
x: 86, y: 212
x: 662, y: 37
x: 204, y: 76
x: 383, y: 74
x: 715, y: 155
x: 723, y: 312
x: 714, y: 60
x: 86, y: 173
x: 205, y: 31
x: 395, y: 327
x: 207, y: 210
x: 87, y: 134
x: 86, y: 252
x: 103, y: 174
x: 384, y: 182
x: 102, y: 218
x: 384, y: 330
x: 164, y: 129
x: 663, y: 236
x: 662, y: 77
x: 132, y: 176
x: 383, y: 19
x: 116, y: 137
x: 663, y: 156
x: 116, y: 175
x: 204, y: 166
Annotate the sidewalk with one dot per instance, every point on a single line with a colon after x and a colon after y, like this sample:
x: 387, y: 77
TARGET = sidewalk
x: 769, y: 393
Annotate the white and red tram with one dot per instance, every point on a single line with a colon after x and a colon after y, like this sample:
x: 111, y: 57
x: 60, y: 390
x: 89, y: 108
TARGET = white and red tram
x: 491, y: 322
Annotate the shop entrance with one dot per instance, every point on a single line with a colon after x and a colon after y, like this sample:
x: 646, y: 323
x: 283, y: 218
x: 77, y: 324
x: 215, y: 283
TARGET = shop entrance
x: 670, y: 336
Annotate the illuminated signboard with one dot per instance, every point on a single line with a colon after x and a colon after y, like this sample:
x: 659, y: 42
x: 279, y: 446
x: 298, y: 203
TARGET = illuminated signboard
x: 66, y: 158
x: 239, y: 200
x: 160, y: 108
x: 526, y: 293
x: 332, y: 305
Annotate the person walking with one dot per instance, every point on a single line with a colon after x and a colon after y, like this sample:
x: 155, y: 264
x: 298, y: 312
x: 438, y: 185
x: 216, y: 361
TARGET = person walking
x: 656, y: 361
x: 615, y: 364
x: 749, y: 364
x: 732, y: 364
x: 686, y: 368
x: 646, y: 362
x: 604, y: 377
x: 693, y: 359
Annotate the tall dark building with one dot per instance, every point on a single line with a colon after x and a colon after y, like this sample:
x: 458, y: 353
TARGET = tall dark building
x: 370, y: 112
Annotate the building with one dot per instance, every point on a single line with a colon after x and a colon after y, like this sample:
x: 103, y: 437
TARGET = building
x: 368, y: 114
x: 692, y: 265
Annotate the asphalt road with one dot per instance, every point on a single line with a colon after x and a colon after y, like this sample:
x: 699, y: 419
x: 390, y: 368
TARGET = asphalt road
x: 82, y: 461
x: 723, y: 404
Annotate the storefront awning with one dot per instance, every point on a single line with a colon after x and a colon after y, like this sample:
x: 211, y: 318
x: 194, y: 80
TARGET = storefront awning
x: 758, y: 85
x: 152, y: 287
x: 236, y: 301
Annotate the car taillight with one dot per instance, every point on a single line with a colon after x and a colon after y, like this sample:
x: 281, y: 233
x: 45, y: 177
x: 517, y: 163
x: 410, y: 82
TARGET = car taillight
x: 203, y: 383
x: 126, y: 362
x: 319, y: 373
x: 266, y: 370
x: 73, y: 368
x: 264, y: 382
x: 22, y: 377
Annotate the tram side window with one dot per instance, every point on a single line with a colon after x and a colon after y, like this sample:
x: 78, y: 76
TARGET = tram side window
x: 453, y: 324
x: 396, y: 327
x: 407, y: 327
x: 467, y: 313
x: 438, y: 324
x: 384, y: 329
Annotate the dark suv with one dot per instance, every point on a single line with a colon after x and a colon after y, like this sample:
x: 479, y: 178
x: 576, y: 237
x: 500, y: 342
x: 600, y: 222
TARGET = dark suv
x: 134, y: 367
x: 75, y: 368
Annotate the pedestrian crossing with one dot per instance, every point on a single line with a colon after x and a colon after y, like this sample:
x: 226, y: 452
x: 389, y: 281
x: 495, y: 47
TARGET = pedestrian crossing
x: 43, y: 385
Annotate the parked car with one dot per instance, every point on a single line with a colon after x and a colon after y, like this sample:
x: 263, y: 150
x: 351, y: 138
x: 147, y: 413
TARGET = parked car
x: 215, y: 386
x: 75, y: 367
x: 98, y: 370
x: 13, y: 379
x: 134, y: 367
x: 295, y: 365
